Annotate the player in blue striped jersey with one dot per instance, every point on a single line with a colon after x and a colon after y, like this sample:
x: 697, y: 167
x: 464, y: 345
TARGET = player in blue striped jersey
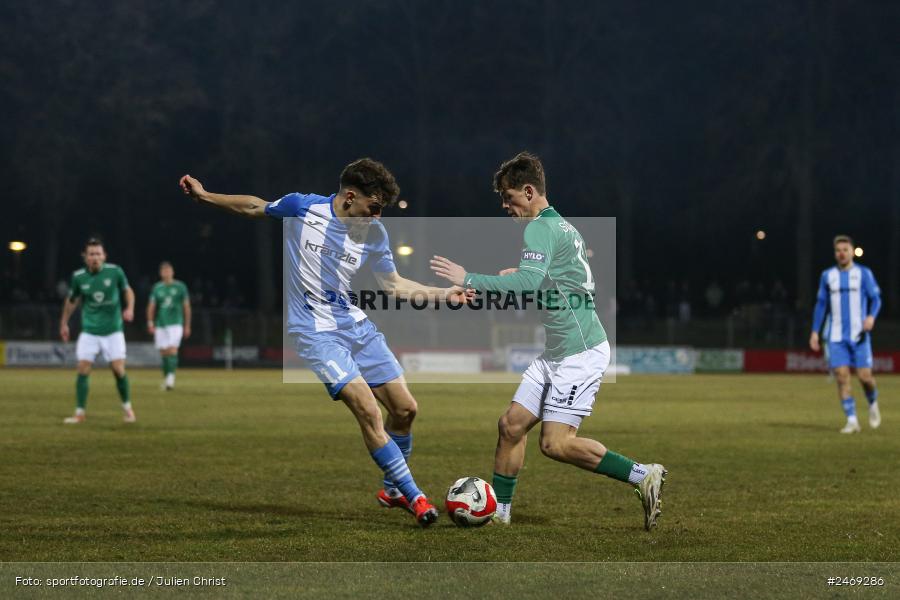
x: 327, y: 239
x: 850, y: 297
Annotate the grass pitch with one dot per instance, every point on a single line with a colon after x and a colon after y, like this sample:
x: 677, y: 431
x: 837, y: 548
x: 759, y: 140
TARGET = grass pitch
x: 236, y: 466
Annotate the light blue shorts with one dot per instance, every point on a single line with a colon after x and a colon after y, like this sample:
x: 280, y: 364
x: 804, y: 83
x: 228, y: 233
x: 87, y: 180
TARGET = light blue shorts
x: 850, y: 354
x: 342, y: 355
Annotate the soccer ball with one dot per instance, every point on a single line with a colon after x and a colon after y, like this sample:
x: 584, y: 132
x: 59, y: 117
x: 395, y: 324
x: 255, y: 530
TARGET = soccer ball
x: 471, y: 502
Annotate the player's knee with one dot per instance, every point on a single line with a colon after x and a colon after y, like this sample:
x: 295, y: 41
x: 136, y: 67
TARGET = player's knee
x: 552, y: 448
x: 405, y: 414
x: 509, y: 430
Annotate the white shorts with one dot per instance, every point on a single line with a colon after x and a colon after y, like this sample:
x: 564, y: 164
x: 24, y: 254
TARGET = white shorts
x: 563, y: 391
x: 168, y: 336
x: 111, y: 347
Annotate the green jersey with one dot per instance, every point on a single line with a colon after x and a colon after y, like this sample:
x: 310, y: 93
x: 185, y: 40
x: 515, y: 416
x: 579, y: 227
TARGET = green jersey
x: 101, y: 293
x: 554, y: 271
x: 169, y: 299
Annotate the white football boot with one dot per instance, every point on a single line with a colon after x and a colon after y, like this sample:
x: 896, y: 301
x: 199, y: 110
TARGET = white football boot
x: 498, y: 519
x: 874, y: 416
x: 649, y: 490
x: 852, y: 426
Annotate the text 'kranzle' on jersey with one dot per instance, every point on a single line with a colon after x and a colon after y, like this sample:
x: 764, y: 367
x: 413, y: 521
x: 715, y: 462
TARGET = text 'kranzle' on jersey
x: 554, y: 259
x: 847, y: 297
x: 322, y: 256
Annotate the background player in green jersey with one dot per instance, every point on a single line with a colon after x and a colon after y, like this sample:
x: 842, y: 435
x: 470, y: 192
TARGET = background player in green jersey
x: 169, y: 319
x: 559, y: 387
x: 99, y: 287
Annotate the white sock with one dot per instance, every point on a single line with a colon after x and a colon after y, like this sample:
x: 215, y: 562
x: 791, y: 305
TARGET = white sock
x: 126, y: 406
x: 170, y: 379
x: 503, y: 510
x: 853, y: 420
x: 638, y: 472
x: 79, y: 411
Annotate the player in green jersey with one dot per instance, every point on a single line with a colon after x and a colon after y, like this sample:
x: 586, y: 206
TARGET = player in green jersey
x: 559, y: 387
x: 169, y: 319
x: 99, y: 288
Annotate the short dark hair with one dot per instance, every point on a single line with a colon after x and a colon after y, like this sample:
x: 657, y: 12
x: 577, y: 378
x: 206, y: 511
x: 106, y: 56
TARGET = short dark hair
x: 523, y: 168
x: 842, y: 239
x: 372, y: 179
x: 166, y: 263
x: 94, y: 241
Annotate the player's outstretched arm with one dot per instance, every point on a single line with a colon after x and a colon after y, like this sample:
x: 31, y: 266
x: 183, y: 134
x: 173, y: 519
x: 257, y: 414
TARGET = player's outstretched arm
x: 246, y: 206
x: 393, y: 283
x: 521, y: 279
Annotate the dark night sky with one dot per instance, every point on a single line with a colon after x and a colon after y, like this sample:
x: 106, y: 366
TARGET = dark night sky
x: 709, y: 122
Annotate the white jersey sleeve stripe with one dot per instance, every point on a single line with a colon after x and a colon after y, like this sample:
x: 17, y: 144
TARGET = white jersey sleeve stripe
x: 855, y: 293
x: 834, y: 289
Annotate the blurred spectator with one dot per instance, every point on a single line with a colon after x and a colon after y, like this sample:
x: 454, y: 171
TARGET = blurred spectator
x: 714, y: 295
x: 62, y: 289
x: 684, y: 303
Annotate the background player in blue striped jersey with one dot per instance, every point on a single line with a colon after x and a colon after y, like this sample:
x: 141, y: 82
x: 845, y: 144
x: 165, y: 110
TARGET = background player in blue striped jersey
x: 327, y: 240
x: 850, y: 297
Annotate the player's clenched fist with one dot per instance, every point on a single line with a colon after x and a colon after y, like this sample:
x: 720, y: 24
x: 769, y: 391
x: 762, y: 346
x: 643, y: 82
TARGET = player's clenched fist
x: 191, y: 187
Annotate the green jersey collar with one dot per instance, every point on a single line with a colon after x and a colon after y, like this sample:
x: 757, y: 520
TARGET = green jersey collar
x: 543, y: 210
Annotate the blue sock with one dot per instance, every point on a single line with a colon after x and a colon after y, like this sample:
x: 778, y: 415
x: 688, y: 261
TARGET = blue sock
x: 404, y: 442
x: 872, y: 396
x: 849, y: 405
x: 390, y: 459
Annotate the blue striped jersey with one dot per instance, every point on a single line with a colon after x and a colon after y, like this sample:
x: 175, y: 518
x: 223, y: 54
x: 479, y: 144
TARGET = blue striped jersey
x: 847, y: 297
x: 321, y: 257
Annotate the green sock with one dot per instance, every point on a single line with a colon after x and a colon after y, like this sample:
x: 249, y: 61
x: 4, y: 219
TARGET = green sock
x: 81, y: 390
x: 504, y: 487
x: 165, y: 365
x: 124, y: 388
x: 173, y: 361
x: 615, y: 466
